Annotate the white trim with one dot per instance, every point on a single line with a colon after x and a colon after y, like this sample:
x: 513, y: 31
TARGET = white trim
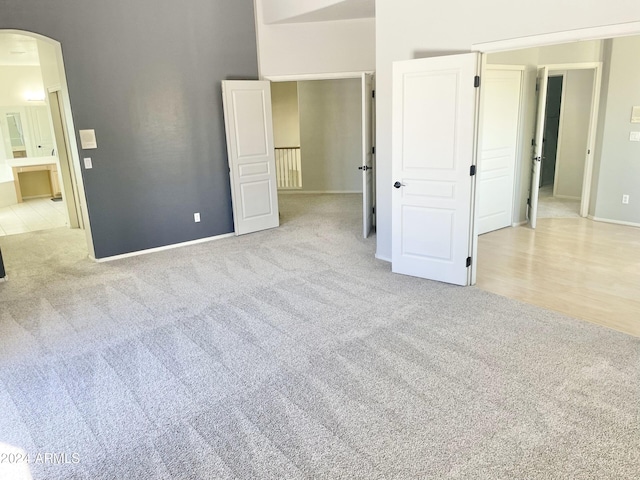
x: 4, y: 279
x: 615, y: 222
x: 519, y: 224
x: 316, y: 192
x: 581, y: 34
x: 384, y: 259
x: 162, y: 249
x: 314, y: 76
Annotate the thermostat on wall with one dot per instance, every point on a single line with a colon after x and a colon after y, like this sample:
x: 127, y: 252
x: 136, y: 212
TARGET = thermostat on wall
x: 88, y: 139
x: 635, y: 115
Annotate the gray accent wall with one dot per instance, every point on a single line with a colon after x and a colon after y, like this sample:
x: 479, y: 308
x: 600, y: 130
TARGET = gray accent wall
x: 146, y: 76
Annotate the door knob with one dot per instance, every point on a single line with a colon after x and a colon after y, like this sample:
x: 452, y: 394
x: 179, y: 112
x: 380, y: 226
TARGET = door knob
x: 398, y: 184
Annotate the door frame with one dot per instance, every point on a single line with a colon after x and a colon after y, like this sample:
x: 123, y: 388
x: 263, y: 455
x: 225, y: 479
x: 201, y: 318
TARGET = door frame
x: 593, y: 124
x: 336, y: 76
x: 74, y: 209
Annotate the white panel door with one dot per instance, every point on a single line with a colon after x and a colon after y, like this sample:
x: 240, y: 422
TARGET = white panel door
x: 367, y: 154
x: 543, y: 78
x: 500, y: 120
x: 250, y: 148
x: 434, y: 113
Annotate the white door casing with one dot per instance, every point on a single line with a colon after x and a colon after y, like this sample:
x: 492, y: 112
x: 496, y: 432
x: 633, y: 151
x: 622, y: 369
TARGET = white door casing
x: 498, y: 147
x: 433, y: 136
x: 250, y: 149
x: 543, y: 77
x: 367, y: 154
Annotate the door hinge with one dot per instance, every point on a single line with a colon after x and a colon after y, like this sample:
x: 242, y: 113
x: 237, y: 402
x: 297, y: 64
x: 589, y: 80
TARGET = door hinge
x: 373, y: 150
x: 373, y: 210
x: 476, y: 81
x: 468, y: 261
x: 472, y: 170
x: 373, y: 94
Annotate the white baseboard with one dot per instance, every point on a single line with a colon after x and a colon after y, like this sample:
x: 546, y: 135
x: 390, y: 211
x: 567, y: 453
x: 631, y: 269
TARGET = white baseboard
x: 162, y: 249
x: 4, y: 279
x: 384, y: 259
x: 519, y: 224
x: 316, y: 192
x: 46, y: 195
x: 616, y: 222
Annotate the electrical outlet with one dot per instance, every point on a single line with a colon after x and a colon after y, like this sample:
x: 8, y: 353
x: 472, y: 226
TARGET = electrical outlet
x: 625, y: 199
x: 196, y: 217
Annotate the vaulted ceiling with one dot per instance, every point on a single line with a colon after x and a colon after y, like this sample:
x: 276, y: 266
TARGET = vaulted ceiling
x: 303, y: 11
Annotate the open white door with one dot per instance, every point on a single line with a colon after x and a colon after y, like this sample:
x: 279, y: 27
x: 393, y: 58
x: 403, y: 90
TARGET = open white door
x: 543, y: 78
x: 367, y: 154
x: 252, y: 166
x: 499, y: 131
x: 434, y: 118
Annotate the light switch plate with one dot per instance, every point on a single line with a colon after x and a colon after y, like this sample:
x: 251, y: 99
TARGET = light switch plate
x: 88, y: 139
x: 634, y: 137
x: 635, y: 115
x: 88, y: 164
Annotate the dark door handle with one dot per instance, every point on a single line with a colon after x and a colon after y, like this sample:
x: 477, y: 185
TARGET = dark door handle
x: 398, y: 184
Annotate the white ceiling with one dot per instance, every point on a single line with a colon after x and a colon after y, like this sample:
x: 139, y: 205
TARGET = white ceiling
x: 340, y: 10
x: 18, y: 49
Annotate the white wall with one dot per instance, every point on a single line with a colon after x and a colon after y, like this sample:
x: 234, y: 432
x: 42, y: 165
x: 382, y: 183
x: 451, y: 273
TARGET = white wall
x: 48, y: 64
x: 620, y: 160
x: 286, y: 118
x: 406, y: 29
x: 577, y: 88
x: 316, y: 47
x: 331, y: 135
x: 16, y: 81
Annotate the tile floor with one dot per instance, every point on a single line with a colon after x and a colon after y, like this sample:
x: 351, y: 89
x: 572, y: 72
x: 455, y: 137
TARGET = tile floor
x: 32, y: 215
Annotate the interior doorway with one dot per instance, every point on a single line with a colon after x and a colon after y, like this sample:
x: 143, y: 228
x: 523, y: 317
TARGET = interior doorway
x: 323, y: 134
x: 40, y: 180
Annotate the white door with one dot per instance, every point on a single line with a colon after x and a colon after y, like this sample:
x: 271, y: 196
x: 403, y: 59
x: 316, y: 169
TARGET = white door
x: 250, y: 148
x: 543, y: 77
x: 434, y: 113
x: 499, y: 125
x: 367, y: 154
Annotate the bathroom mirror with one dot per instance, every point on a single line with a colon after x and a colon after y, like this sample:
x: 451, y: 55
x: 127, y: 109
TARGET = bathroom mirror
x: 16, y: 133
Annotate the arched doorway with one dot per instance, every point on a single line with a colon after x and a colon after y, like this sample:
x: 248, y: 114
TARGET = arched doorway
x: 41, y: 183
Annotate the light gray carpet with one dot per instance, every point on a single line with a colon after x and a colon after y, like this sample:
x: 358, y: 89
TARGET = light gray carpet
x: 554, y: 207
x: 293, y: 353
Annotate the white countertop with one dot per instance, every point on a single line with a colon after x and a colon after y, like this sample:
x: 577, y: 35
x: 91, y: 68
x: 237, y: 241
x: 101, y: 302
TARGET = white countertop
x: 30, y: 161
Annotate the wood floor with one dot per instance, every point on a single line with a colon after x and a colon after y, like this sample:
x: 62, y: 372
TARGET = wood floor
x: 586, y: 269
